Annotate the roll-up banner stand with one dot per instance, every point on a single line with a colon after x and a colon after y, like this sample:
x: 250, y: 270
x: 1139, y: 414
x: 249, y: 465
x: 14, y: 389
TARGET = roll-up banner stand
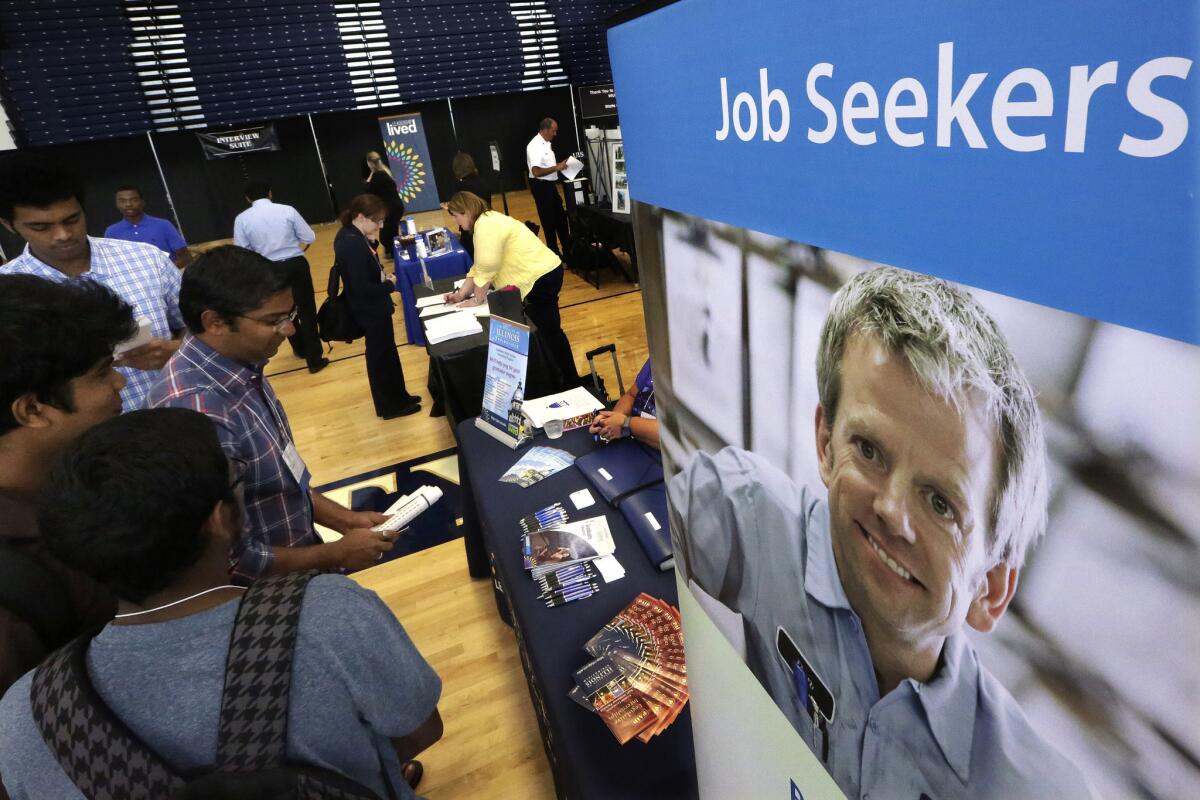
x: 922, y: 290
x: 408, y: 157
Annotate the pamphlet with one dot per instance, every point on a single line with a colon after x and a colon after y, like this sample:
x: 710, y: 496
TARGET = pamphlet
x: 637, y: 680
x: 537, y: 463
x: 554, y: 548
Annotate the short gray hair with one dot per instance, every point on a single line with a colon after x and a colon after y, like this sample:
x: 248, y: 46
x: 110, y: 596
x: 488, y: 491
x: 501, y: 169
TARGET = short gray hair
x: 954, y: 347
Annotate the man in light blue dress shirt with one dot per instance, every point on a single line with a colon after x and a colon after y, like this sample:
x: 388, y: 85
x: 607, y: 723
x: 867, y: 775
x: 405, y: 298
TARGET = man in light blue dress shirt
x: 278, y: 232
x: 41, y: 202
x: 930, y: 444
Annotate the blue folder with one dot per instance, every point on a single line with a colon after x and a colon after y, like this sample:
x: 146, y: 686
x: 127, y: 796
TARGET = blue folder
x: 618, y: 469
x: 646, y: 513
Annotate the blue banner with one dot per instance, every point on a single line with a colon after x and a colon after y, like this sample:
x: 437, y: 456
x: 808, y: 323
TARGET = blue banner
x: 1044, y: 151
x: 408, y: 157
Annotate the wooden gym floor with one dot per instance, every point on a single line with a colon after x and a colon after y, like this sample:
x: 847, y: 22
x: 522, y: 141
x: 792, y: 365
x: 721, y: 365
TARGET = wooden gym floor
x: 491, y: 746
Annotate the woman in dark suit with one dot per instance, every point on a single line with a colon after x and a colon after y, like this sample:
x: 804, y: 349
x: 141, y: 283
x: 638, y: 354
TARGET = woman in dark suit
x: 368, y: 292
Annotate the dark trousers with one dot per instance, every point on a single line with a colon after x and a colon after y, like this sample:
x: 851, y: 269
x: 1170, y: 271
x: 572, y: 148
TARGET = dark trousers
x: 384, y: 373
x: 541, y: 306
x: 551, y: 213
x: 391, y: 229
x: 305, y: 342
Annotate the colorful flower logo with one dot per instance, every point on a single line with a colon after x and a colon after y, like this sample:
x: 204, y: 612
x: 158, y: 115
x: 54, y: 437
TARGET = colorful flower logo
x: 407, y: 168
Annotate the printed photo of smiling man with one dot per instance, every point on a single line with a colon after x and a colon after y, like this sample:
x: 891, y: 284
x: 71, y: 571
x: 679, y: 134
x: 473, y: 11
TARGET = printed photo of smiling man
x: 854, y: 600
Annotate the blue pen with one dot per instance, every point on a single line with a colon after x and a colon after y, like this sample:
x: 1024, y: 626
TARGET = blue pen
x: 569, y: 599
x: 564, y: 572
x: 800, y: 681
x: 566, y: 584
x: 572, y: 591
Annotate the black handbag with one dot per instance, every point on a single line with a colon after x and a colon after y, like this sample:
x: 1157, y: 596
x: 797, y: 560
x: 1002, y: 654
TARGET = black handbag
x: 335, y: 323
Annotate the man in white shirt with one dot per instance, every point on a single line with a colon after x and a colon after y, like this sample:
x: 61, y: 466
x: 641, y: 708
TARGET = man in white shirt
x: 543, y: 180
x: 279, y: 233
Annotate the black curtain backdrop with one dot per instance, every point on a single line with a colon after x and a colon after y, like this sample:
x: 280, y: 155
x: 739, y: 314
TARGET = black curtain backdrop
x: 208, y: 194
x: 103, y: 165
x: 512, y: 120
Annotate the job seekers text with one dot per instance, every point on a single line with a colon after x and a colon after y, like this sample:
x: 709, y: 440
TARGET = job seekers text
x: 907, y: 101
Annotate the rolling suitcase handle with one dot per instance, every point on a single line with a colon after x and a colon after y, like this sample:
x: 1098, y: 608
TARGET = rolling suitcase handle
x: 591, y: 356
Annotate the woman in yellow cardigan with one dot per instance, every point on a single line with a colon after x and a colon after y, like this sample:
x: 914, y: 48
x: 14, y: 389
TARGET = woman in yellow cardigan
x: 508, y: 254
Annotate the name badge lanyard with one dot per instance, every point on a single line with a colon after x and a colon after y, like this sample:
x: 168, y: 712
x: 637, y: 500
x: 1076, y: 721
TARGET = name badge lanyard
x: 291, y: 456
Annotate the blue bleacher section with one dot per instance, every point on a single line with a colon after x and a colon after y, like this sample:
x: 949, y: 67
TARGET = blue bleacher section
x: 74, y: 70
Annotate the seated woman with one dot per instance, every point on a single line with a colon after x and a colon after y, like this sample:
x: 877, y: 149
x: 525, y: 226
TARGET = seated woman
x: 468, y: 179
x: 633, y: 415
x: 368, y: 293
x: 509, y: 254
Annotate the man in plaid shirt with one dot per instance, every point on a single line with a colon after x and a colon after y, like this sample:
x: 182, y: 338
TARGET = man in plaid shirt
x: 41, y: 202
x: 239, y: 308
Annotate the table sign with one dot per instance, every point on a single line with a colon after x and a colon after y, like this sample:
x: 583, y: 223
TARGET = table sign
x: 504, y: 382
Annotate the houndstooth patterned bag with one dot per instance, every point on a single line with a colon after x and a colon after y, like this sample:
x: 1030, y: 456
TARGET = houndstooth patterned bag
x: 107, y: 760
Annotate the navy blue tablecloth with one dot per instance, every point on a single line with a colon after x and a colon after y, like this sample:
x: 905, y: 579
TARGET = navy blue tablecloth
x: 451, y: 264
x: 585, y: 758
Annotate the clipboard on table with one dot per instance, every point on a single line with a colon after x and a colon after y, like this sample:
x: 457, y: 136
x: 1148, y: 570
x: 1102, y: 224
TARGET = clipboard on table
x: 619, y: 469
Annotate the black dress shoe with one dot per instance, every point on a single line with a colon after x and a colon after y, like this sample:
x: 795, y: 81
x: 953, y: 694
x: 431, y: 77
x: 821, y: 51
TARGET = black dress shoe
x: 411, y: 408
x: 412, y: 772
x: 318, y: 365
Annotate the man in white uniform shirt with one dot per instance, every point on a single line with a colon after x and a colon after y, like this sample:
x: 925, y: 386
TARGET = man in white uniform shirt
x: 278, y: 232
x: 543, y: 182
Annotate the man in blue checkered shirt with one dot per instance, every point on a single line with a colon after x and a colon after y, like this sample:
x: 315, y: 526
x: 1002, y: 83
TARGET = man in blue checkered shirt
x: 239, y: 308
x: 41, y: 202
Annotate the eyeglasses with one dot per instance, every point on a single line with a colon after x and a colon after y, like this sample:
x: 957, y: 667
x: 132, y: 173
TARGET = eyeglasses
x: 278, y: 324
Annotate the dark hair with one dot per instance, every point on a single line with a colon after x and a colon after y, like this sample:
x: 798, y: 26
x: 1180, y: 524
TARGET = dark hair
x: 52, y: 333
x: 463, y: 165
x: 366, y: 204
x: 126, y: 502
x: 257, y: 190
x: 231, y: 281
x: 30, y: 180
x: 129, y: 187
x: 546, y: 124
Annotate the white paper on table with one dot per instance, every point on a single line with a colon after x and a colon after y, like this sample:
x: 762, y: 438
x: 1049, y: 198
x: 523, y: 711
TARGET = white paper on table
x: 574, y: 167
x: 449, y: 308
x: 582, y: 499
x: 451, y: 326
x: 610, y: 569
x: 435, y: 310
x: 432, y: 300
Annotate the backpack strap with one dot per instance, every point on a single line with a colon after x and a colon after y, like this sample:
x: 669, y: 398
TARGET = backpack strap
x: 335, y: 279
x: 36, y: 595
x: 258, y: 674
x: 98, y: 752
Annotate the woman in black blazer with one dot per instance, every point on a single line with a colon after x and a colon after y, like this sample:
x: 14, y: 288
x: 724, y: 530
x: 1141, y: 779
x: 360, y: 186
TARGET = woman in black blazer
x: 381, y: 183
x: 369, y: 294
